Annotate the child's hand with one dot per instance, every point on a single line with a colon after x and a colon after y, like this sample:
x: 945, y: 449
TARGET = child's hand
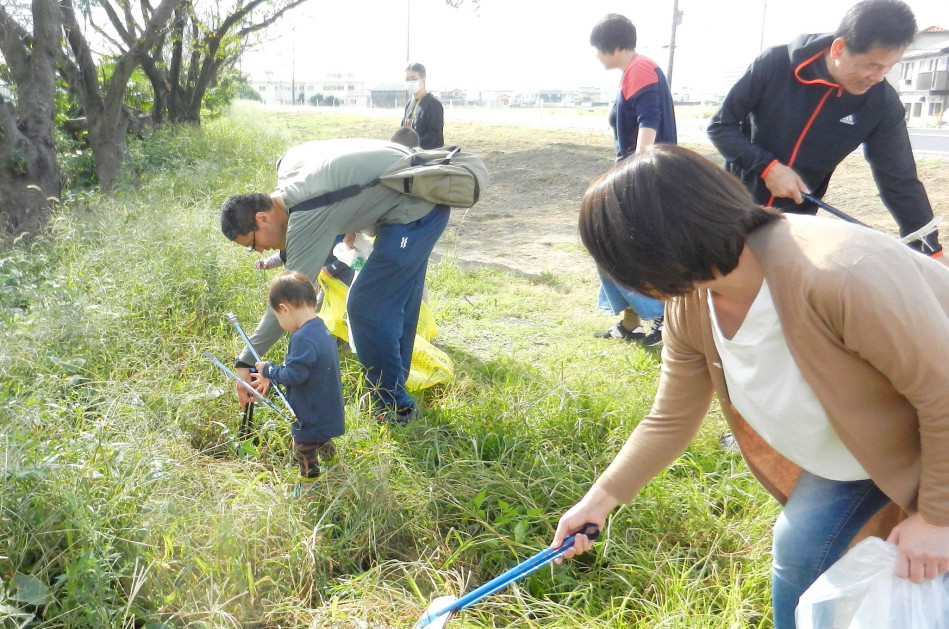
x: 261, y: 265
x: 261, y: 384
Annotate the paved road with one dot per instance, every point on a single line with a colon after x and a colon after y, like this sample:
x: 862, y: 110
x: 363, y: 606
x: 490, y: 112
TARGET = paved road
x: 930, y: 140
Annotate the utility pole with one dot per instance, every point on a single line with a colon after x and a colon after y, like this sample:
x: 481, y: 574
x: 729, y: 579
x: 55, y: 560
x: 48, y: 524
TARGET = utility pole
x: 408, y: 29
x: 293, y: 67
x: 676, y: 20
x: 764, y: 13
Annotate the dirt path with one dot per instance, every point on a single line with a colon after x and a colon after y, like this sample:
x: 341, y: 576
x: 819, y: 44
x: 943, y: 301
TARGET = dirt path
x: 527, y: 220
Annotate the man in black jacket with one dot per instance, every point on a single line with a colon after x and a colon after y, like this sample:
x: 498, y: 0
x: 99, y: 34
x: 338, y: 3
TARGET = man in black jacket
x: 423, y: 112
x: 800, y: 109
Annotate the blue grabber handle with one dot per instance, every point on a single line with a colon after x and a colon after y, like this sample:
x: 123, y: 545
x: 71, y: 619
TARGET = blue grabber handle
x: 830, y: 208
x: 240, y: 330
x: 519, y: 571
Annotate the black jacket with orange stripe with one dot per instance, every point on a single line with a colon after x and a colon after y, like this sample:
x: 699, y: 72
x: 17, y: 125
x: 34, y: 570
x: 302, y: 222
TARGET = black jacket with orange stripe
x: 788, y: 108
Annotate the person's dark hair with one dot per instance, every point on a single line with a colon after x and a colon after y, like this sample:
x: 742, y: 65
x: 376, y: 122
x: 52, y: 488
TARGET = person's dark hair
x: 663, y: 220
x: 887, y: 24
x: 406, y: 136
x: 416, y: 67
x: 238, y: 212
x: 293, y: 288
x: 612, y: 32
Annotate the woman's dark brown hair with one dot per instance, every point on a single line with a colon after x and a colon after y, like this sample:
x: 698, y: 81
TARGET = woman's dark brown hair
x: 661, y: 221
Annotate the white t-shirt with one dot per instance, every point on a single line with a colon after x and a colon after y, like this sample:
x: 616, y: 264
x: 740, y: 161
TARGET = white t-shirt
x: 769, y: 391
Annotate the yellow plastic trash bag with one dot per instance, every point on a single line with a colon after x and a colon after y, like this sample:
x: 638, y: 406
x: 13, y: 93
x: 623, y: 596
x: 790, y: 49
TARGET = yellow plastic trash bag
x: 430, y: 365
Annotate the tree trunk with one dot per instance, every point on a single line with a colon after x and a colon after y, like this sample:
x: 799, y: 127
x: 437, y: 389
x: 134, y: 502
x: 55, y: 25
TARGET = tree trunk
x: 29, y: 176
x: 107, y: 116
x: 107, y: 139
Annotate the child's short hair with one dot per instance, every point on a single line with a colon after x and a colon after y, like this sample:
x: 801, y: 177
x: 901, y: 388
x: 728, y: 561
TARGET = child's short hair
x: 406, y: 136
x: 293, y: 288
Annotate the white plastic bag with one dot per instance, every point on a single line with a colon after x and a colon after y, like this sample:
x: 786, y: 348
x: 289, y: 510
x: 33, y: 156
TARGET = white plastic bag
x: 356, y: 256
x: 862, y: 591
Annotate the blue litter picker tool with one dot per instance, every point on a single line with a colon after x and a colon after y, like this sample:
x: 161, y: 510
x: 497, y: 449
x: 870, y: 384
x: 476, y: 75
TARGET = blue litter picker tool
x: 442, y: 608
x: 253, y: 352
x: 246, y: 386
x: 919, y: 234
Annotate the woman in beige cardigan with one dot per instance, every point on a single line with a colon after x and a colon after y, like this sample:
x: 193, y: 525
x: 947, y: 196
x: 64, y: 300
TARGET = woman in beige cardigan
x: 842, y: 416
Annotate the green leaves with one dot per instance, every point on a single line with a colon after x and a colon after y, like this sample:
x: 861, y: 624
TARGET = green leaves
x: 30, y: 590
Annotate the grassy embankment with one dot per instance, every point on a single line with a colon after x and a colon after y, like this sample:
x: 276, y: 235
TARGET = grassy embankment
x: 127, y: 502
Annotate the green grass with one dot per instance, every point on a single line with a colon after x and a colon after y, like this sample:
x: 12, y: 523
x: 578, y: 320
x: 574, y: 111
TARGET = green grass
x: 127, y: 501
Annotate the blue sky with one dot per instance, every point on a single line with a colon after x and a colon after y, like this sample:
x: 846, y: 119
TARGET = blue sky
x: 532, y: 44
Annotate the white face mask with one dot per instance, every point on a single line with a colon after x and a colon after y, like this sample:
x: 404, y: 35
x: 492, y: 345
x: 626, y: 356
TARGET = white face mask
x: 412, y: 87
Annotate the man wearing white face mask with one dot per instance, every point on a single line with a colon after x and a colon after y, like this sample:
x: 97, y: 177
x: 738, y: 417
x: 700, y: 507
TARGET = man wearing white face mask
x: 423, y: 112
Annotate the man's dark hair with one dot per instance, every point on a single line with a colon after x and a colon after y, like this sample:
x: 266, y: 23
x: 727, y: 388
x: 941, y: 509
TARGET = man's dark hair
x: 293, y: 288
x: 239, y: 211
x: 416, y: 67
x: 612, y: 32
x: 663, y: 220
x: 887, y: 24
x: 406, y: 136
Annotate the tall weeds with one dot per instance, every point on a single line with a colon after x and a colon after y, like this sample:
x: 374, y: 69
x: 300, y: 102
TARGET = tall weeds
x: 127, y: 500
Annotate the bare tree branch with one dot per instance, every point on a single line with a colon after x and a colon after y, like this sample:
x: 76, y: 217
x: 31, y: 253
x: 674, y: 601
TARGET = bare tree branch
x: 262, y: 25
x: 116, y: 24
x: 88, y: 80
x: 14, y: 40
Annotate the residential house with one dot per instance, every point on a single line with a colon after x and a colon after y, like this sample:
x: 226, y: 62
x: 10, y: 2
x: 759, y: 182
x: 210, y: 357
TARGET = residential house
x: 922, y: 78
x: 388, y: 96
x: 344, y: 89
x: 452, y: 98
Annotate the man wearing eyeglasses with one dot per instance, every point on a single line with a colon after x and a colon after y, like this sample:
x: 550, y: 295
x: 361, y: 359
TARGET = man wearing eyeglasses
x: 385, y: 298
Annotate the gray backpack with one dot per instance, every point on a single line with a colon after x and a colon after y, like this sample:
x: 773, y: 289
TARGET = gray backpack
x: 443, y: 176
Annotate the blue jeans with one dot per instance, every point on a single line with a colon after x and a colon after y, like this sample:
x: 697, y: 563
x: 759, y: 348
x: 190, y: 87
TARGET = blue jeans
x: 818, y: 522
x: 384, y: 303
x: 615, y: 299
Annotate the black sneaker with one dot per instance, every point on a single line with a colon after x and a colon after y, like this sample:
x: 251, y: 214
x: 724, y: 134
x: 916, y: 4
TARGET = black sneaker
x: 406, y: 414
x: 654, y: 338
x: 617, y: 331
x: 400, y: 416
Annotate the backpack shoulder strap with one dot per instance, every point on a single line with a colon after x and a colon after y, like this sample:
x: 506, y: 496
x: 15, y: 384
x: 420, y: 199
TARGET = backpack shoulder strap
x: 331, y: 197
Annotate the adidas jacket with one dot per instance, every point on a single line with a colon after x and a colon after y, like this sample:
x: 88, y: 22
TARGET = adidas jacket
x: 787, y: 108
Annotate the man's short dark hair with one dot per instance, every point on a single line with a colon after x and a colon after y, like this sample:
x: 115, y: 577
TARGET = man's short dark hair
x: 887, y: 24
x: 416, y: 67
x: 239, y: 211
x: 293, y: 288
x: 663, y: 220
x: 612, y: 32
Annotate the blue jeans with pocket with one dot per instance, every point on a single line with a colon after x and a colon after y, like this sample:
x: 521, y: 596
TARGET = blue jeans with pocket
x: 818, y: 522
x: 384, y: 303
x: 615, y: 299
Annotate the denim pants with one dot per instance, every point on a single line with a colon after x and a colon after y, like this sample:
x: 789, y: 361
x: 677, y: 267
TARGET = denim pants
x: 384, y: 303
x: 615, y: 299
x: 813, y: 531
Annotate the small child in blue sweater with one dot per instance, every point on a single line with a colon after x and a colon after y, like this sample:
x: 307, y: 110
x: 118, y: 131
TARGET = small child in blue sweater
x: 310, y: 371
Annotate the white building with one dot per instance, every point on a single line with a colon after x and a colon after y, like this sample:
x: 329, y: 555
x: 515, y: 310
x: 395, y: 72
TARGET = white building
x: 922, y: 78
x: 343, y: 88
